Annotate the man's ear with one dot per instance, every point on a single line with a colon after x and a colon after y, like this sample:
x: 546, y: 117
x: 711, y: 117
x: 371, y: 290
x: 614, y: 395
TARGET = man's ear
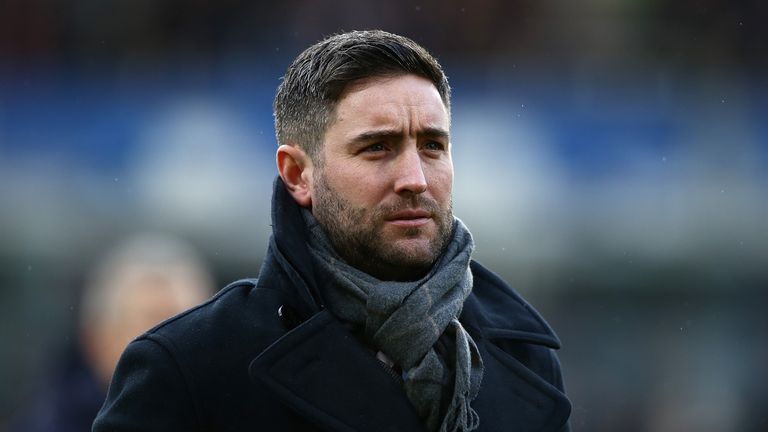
x: 295, y: 168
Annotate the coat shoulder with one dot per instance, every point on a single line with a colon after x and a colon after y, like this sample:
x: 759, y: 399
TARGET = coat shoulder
x: 191, y: 371
x: 232, y: 295
x: 242, y: 312
x: 503, y: 310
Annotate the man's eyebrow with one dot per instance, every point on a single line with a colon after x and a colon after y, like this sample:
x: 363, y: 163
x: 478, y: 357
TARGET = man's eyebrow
x: 435, y: 132
x: 376, y: 135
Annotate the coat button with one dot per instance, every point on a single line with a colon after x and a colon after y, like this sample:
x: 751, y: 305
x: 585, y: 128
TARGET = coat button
x: 288, y: 317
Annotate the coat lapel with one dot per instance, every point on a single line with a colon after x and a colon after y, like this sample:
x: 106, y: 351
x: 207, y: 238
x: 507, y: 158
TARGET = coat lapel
x: 321, y: 372
x: 512, y: 395
x: 519, y: 389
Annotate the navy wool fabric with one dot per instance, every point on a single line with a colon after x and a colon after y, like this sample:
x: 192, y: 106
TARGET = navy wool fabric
x: 264, y: 354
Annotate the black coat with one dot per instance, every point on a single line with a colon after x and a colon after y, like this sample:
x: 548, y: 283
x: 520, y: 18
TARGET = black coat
x: 264, y: 355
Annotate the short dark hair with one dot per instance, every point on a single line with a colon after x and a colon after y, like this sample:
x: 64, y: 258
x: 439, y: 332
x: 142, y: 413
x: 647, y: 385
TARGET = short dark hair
x: 306, y: 100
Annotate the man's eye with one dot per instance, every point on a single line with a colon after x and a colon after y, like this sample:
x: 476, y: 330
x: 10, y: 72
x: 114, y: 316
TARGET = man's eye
x: 434, y: 145
x: 375, y: 148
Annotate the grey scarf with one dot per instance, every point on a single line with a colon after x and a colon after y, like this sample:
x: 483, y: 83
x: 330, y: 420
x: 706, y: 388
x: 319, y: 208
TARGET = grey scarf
x: 415, y: 324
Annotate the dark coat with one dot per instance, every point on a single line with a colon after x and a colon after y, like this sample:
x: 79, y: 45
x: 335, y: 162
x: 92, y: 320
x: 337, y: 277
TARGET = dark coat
x: 264, y: 355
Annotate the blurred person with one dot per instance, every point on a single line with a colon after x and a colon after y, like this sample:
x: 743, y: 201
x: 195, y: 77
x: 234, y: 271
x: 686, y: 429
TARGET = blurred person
x: 141, y: 282
x: 368, y: 313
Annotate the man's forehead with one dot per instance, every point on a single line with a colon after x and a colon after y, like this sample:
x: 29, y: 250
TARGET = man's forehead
x: 389, y: 101
x: 385, y: 83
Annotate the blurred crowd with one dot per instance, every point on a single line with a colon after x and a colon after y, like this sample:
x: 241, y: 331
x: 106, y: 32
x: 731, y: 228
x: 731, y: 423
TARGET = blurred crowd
x: 618, y: 151
x: 93, y: 34
x: 140, y: 283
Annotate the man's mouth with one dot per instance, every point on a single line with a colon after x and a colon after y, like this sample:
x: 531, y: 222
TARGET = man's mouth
x: 409, y: 218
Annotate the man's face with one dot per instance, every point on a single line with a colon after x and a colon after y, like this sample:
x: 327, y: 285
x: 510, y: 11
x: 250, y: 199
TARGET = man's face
x: 383, y: 190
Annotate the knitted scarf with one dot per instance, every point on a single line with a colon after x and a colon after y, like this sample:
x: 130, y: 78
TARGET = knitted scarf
x: 415, y: 324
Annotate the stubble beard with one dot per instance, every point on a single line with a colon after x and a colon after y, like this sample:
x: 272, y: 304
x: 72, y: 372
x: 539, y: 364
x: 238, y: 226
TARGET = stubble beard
x: 357, y: 234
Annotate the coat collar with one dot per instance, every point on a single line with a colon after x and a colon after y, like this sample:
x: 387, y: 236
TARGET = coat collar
x: 496, y: 311
x: 288, y: 245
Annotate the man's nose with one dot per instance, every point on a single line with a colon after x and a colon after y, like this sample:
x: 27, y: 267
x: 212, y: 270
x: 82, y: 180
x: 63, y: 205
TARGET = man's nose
x: 409, y: 173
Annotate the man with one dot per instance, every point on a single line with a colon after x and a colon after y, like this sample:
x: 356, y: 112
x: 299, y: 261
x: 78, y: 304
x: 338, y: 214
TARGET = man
x: 144, y: 280
x: 368, y: 314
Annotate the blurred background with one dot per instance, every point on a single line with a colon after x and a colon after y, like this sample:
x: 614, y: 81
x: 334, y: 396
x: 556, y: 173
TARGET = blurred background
x: 611, y: 161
